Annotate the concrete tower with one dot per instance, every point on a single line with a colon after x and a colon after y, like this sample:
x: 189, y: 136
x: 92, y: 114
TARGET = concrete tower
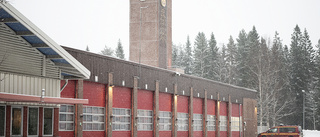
x: 151, y: 32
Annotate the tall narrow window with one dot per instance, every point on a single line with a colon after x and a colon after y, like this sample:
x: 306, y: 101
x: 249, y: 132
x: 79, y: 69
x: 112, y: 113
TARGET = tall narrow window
x: 235, y: 124
x: 93, y: 118
x: 223, y: 123
x: 145, y: 120
x: 164, y: 121
x: 211, y: 122
x: 33, y: 121
x: 16, y: 123
x: 121, y: 119
x: 66, y: 118
x: 197, y: 122
x: 47, y: 121
x: 183, y: 121
x: 2, y: 120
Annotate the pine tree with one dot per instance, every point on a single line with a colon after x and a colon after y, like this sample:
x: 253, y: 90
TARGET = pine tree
x: 231, y: 54
x: 188, y: 58
x: 174, y: 56
x: 107, y: 51
x: 119, y: 50
x: 87, y: 49
x: 201, y: 56
x: 213, y: 59
x: 242, y: 59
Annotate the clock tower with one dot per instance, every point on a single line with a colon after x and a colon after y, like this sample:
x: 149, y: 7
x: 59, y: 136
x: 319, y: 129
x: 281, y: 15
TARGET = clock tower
x: 151, y: 32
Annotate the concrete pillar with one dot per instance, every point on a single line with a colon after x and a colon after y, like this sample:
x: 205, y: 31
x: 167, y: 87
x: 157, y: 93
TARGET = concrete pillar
x: 205, y: 111
x: 109, y: 103
x: 229, y: 116
x: 174, y: 111
x: 218, y: 116
x: 79, y: 108
x: 156, y: 111
x: 134, y: 123
x: 191, y: 113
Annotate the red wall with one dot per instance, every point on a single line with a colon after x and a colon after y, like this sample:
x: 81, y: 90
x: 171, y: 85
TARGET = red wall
x: 121, y: 97
x: 223, y: 112
x: 211, y: 110
x: 69, y: 90
x: 165, y: 104
x: 145, y: 101
x: 197, y: 109
x: 93, y: 133
x: 95, y: 93
x: 183, y: 107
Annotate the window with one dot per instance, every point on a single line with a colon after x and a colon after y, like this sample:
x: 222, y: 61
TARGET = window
x: 16, y: 123
x: 93, y: 118
x: 164, y: 121
x: 145, y: 120
x: 197, y: 122
x: 183, y: 121
x: 33, y: 117
x: 273, y: 130
x: 223, y: 123
x: 211, y: 122
x: 47, y: 121
x: 66, y: 118
x: 2, y: 120
x: 287, y: 130
x: 235, y: 124
x: 121, y: 120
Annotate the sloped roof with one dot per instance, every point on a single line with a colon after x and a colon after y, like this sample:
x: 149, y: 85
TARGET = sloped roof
x: 22, y: 35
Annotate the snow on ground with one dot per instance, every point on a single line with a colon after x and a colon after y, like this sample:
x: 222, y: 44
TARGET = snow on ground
x: 311, y: 133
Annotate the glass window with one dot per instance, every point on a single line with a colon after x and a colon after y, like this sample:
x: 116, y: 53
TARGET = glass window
x: 93, y: 118
x: 164, y: 121
x: 33, y: 121
x: 47, y: 121
x: 197, y: 122
x: 273, y: 130
x: 235, y: 123
x: 223, y: 123
x: 66, y: 118
x: 16, y: 123
x: 2, y: 120
x: 183, y: 121
x: 145, y: 120
x: 287, y: 130
x: 121, y: 120
x: 211, y: 122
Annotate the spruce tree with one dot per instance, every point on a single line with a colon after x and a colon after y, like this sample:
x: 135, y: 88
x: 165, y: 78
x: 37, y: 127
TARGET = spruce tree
x: 87, y: 48
x: 231, y: 54
x: 201, y: 56
x: 119, y: 50
x: 188, y: 58
x: 213, y: 60
x: 107, y: 51
x: 242, y: 59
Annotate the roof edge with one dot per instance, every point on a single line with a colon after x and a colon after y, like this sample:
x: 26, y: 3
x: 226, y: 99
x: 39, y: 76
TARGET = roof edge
x: 45, y: 38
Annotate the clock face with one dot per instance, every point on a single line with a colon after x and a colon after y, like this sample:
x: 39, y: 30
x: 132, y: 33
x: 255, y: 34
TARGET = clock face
x: 163, y: 3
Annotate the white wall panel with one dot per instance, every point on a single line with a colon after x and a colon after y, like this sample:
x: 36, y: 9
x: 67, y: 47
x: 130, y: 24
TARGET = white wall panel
x: 29, y: 85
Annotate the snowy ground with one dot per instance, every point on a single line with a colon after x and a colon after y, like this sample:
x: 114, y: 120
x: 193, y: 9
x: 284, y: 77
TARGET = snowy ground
x: 311, y: 133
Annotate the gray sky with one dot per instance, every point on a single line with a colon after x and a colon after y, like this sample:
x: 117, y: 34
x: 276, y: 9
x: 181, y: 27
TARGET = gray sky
x: 96, y: 23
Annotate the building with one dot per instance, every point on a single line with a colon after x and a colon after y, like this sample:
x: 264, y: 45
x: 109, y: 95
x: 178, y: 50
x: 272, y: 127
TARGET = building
x: 31, y: 68
x: 87, y: 94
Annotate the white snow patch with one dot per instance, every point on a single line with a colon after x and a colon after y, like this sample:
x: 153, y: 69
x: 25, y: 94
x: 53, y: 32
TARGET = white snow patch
x: 311, y: 133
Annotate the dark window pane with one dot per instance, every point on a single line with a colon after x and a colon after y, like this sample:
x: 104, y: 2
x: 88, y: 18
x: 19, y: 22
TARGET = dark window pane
x: 16, y: 121
x: 47, y: 121
x: 63, y: 108
x: 33, y: 121
x: 2, y: 118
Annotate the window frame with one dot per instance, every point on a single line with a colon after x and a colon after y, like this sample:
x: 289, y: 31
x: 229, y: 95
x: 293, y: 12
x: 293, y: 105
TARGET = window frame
x: 223, y: 123
x: 196, y: 125
x: 114, y: 116
x: 85, y: 114
x: 37, y: 121
x: 21, y: 130
x: 181, y: 119
x: 139, y: 123
x: 213, y: 121
x: 235, y: 124
x: 165, y: 124
x: 52, y: 120
x: 4, y: 125
x: 67, y: 113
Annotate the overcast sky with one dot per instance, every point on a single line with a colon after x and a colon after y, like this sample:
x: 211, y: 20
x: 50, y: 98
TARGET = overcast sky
x: 96, y: 23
